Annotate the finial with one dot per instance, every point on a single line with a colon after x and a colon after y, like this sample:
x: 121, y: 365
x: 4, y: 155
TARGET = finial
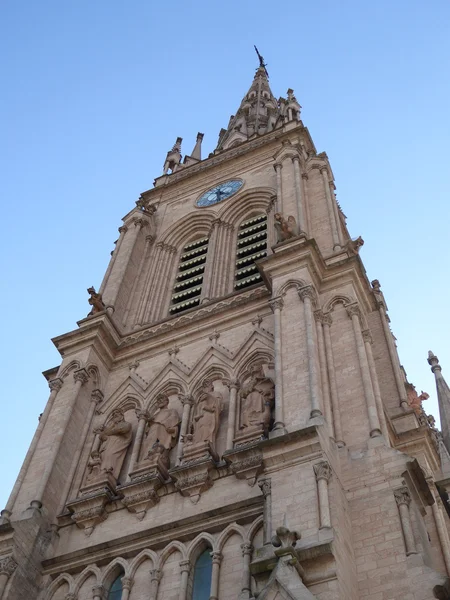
x: 433, y: 361
x: 261, y: 62
x: 173, y: 158
x: 196, y: 152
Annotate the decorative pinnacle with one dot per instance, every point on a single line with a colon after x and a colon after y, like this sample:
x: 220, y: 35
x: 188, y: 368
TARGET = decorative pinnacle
x: 433, y: 361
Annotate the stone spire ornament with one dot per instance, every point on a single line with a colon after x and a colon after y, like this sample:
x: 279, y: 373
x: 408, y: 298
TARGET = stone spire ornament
x: 258, y: 113
x: 443, y: 394
x: 173, y: 158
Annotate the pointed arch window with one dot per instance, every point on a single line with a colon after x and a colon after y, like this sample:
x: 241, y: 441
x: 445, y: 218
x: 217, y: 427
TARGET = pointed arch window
x: 115, y: 591
x: 189, y: 281
x: 251, y: 245
x: 202, y: 577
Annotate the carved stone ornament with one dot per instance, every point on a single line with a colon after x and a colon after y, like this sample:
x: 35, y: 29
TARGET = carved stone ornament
x: 402, y: 496
x: 192, y: 480
x: 286, y: 228
x: 285, y: 540
x: 276, y: 304
x: 353, y: 310
x: 307, y: 291
x: 81, y: 375
x: 353, y: 246
x: 266, y: 486
x: 245, y: 463
x: 115, y: 437
x: 207, y: 414
x: 55, y: 384
x: 89, y: 510
x: 162, y: 432
x: 96, y: 301
x: 127, y: 583
x: 98, y: 590
x: 7, y: 565
x: 322, y: 470
x: 257, y: 400
x: 142, y: 493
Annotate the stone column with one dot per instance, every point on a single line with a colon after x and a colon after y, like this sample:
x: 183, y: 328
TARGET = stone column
x: 395, y: 362
x: 163, y: 283
x: 127, y: 584
x: 55, y: 385
x: 266, y: 489
x: 331, y: 213
x: 279, y: 205
x: 155, y: 578
x: 307, y: 294
x: 230, y: 256
x: 142, y: 416
x: 403, y: 499
x: 233, y: 386
x: 148, y: 242
x: 305, y: 202
x: 96, y: 398
x: 323, y: 474
x: 247, y: 556
x: 185, y: 567
x: 187, y: 402
x: 145, y: 305
x: 212, y: 265
x: 80, y: 376
x: 122, y: 231
x: 367, y: 337
x: 374, y: 424
x: 276, y: 306
x: 216, y: 560
x: 112, y: 285
x: 333, y: 383
x: 441, y: 529
x: 271, y: 233
x: 7, y: 567
x: 320, y: 318
x: 98, y: 592
x: 299, y: 195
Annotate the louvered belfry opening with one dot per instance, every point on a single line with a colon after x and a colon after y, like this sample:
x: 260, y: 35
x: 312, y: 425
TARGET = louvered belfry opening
x: 188, y: 284
x: 251, y: 245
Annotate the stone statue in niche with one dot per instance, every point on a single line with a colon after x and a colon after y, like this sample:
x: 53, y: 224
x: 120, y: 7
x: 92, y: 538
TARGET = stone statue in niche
x: 258, y: 395
x: 207, y: 414
x: 286, y: 229
x: 96, y: 301
x: 115, y: 438
x: 162, y: 430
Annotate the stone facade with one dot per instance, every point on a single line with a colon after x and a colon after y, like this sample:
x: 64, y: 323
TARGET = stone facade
x: 269, y: 424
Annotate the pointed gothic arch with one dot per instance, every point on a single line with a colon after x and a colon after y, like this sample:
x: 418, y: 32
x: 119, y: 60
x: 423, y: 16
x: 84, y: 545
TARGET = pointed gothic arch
x: 228, y: 532
x: 146, y: 554
x: 174, y: 546
x: 199, y: 544
x: 56, y: 583
x: 255, y: 527
x: 338, y: 299
x: 246, y: 203
x: 114, y: 568
x: 87, y: 572
x: 188, y: 228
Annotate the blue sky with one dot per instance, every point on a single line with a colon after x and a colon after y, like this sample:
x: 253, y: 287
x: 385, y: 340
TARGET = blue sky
x: 95, y: 93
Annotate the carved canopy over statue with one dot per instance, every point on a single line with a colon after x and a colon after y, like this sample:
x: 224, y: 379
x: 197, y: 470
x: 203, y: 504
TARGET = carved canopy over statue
x: 207, y: 414
x: 115, y: 437
x: 257, y: 394
x: 162, y: 427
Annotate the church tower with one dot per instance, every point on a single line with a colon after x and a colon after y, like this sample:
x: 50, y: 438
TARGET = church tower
x: 231, y: 420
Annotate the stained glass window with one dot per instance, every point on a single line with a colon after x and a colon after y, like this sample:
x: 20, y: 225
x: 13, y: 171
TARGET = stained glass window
x: 115, y: 592
x: 202, y: 576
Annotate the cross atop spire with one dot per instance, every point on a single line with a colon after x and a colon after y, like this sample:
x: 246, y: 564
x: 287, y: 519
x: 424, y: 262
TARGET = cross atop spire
x: 261, y: 62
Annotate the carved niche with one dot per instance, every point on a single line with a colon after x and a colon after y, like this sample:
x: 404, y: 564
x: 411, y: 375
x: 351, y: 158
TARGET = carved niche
x: 152, y: 470
x: 199, y: 458
x: 108, y: 454
x: 257, y: 397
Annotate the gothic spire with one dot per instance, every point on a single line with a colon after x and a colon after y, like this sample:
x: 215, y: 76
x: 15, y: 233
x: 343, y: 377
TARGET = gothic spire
x: 259, y: 111
x: 443, y: 393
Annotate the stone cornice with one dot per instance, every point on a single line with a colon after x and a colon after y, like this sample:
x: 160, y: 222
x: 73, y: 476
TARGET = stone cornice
x: 98, y: 331
x: 197, y: 314
x: 223, y: 157
x: 245, y: 511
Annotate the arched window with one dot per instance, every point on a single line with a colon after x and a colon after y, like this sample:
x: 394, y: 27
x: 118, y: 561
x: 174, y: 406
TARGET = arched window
x: 202, y: 576
x: 115, y: 591
x: 189, y: 281
x: 251, y: 245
